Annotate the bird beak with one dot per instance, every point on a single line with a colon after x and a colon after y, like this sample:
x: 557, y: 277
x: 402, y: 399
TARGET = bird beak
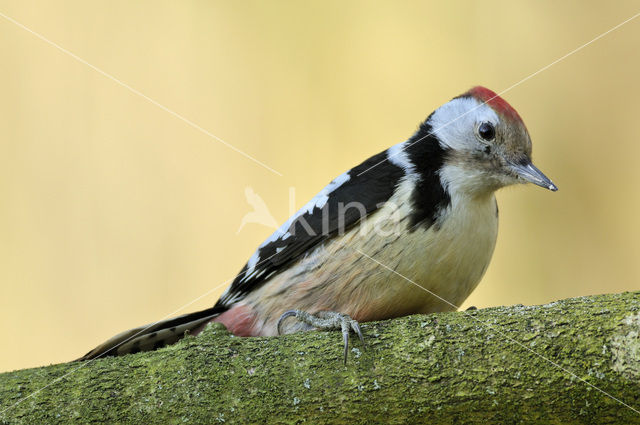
x: 530, y: 173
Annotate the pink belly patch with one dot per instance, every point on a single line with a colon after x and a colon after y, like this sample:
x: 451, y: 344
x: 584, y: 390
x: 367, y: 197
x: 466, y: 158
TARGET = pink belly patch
x: 238, y: 320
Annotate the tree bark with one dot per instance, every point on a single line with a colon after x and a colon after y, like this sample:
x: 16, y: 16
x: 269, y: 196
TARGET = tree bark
x: 539, y: 364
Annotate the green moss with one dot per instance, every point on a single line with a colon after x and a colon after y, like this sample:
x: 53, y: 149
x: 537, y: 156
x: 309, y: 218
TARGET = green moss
x: 470, y: 367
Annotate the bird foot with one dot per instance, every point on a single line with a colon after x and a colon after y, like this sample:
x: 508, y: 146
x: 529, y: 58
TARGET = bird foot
x: 327, y: 320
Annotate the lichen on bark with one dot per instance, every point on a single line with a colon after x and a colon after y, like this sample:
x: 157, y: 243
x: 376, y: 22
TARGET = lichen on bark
x: 517, y: 364
x: 625, y: 347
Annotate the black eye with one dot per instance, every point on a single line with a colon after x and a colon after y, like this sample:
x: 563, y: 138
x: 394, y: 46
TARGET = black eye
x: 487, y: 131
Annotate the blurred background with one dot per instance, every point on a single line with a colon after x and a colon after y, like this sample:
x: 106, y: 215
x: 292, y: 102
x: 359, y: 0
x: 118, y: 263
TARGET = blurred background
x: 115, y: 213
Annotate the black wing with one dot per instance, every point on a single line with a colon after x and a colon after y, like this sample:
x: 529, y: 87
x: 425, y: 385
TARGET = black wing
x: 318, y: 221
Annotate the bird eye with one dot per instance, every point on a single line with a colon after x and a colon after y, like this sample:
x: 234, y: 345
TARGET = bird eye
x: 487, y: 131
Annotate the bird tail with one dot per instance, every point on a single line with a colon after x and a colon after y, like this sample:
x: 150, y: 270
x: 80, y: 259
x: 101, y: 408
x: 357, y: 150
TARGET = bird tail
x: 153, y: 336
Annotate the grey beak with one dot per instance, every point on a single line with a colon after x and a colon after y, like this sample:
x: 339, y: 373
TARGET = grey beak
x: 530, y: 173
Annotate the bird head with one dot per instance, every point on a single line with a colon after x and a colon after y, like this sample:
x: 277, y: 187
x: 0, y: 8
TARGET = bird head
x: 488, y: 145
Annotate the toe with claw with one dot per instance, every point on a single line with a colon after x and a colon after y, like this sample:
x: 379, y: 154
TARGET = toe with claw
x: 327, y: 320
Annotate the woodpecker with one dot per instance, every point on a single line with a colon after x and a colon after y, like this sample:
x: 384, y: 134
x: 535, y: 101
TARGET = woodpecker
x: 410, y: 230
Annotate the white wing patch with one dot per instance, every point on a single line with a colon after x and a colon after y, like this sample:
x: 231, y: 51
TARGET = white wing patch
x: 320, y: 200
x: 397, y: 155
x: 251, y: 264
x: 282, y: 233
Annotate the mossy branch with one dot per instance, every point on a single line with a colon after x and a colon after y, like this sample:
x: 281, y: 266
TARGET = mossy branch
x: 485, y: 366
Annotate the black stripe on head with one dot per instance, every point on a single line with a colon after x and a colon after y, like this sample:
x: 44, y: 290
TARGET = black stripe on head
x: 429, y: 197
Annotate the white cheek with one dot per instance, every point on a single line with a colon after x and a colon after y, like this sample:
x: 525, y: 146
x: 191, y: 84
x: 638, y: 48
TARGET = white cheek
x: 461, y: 179
x: 454, y: 122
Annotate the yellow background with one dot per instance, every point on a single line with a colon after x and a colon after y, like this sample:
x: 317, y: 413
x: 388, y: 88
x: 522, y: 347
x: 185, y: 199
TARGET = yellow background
x: 115, y: 213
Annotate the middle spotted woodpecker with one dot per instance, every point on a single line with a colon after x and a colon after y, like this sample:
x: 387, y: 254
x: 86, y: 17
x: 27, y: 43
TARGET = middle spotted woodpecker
x: 422, y: 211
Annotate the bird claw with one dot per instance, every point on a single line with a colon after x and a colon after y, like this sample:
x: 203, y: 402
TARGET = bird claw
x: 327, y: 320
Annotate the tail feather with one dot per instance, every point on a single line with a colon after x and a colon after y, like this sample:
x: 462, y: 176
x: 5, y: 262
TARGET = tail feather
x: 153, y: 336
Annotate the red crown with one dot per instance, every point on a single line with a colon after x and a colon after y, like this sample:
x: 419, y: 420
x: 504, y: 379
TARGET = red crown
x: 497, y: 103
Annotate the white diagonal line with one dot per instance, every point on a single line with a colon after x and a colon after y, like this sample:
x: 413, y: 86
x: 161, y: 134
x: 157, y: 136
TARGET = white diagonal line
x: 137, y: 92
x: 255, y: 160
x: 498, y: 331
x: 544, y: 68
x: 87, y: 362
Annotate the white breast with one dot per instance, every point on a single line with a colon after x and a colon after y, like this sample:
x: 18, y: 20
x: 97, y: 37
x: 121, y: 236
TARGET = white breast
x: 447, y: 259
